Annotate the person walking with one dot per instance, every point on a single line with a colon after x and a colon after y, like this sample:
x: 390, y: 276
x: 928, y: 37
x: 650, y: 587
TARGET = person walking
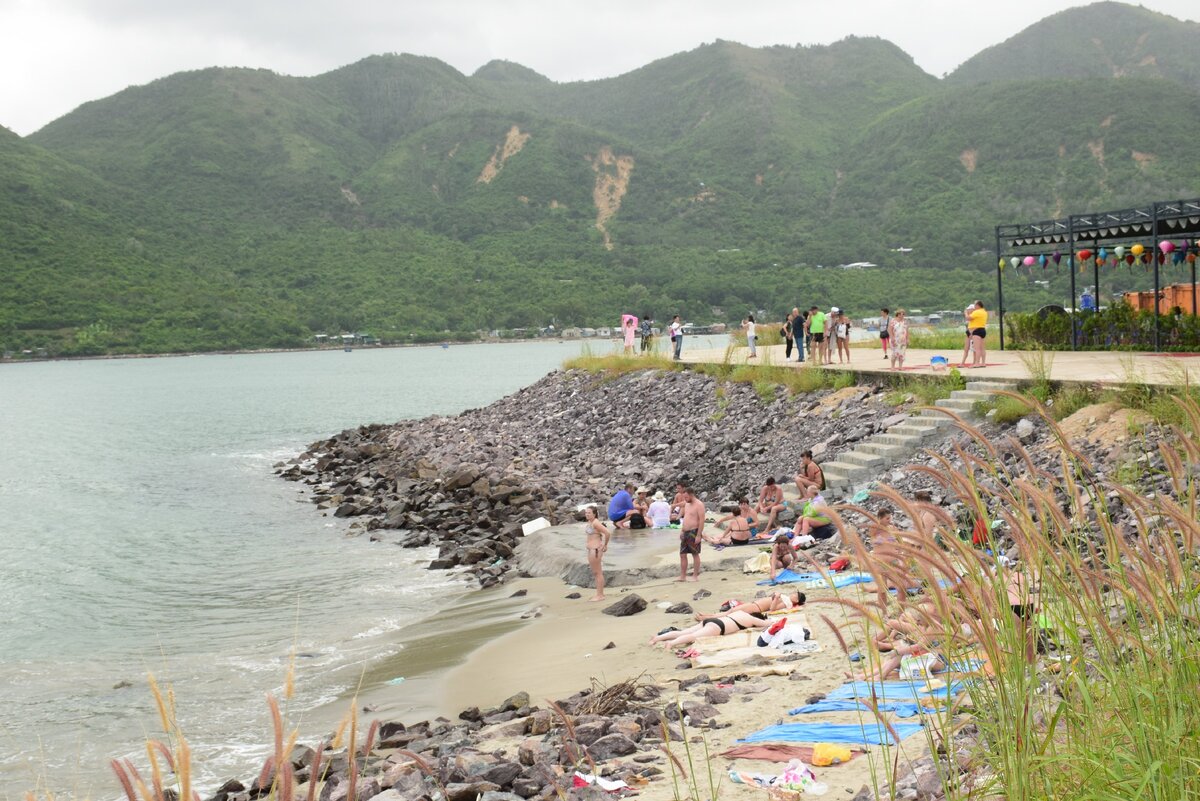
x: 898, y: 337
x: 885, y: 333
x: 676, y: 330
x: 751, y: 336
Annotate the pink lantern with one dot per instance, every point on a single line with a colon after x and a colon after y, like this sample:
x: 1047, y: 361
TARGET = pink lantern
x: 1166, y: 246
x: 1029, y: 261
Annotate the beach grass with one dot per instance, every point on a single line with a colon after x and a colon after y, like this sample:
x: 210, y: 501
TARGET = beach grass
x: 1090, y: 694
x: 613, y: 365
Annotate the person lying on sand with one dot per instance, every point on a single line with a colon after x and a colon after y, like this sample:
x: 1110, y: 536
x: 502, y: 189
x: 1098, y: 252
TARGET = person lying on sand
x: 741, y: 528
x: 733, y: 621
x: 775, y: 602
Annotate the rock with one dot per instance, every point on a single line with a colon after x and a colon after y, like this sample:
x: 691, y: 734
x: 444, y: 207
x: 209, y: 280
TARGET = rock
x: 682, y: 608
x: 501, y: 773
x: 473, y: 714
x: 609, y: 647
x: 701, y: 678
x: 815, y: 699
x: 589, y: 733
x: 611, y: 746
x: 541, y: 721
x: 1025, y: 429
x: 515, y: 702
x: 493, y: 795
x: 123, y: 684
x: 468, y: 791
x: 534, y: 751
x: 574, y: 596
x: 631, y: 604
x: 715, y: 695
x: 700, y: 594
x: 590, y: 793
x: 519, y: 594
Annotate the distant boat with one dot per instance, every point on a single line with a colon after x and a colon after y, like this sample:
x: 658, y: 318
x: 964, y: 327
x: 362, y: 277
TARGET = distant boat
x: 445, y: 345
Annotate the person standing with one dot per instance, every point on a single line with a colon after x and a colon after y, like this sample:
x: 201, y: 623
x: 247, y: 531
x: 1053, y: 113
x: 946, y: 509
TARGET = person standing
x: 967, y: 343
x: 800, y: 332
x: 816, y: 330
x: 598, y: 536
x: 789, y: 333
x: 629, y: 327
x: 830, y: 332
x: 843, y: 336
x: 977, y: 323
x: 691, y: 534
x: 898, y: 336
x: 646, y: 328
x: 751, y: 336
x: 885, y: 332
x: 676, y: 336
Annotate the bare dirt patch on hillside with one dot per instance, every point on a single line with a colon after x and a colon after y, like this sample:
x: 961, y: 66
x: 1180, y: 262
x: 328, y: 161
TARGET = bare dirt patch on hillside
x: 513, y: 142
x: 612, y: 182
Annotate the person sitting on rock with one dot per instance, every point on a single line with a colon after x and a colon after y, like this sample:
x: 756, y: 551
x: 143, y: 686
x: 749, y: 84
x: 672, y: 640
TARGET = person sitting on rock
x: 783, y: 556
x: 770, y: 502
x: 659, y: 513
x: 815, y: 519
x: 810, y: 475
x: 621, y: 507
x: 742, y: 526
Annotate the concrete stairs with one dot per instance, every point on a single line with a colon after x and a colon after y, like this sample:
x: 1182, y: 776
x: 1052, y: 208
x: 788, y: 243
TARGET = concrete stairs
x: 873, y: 456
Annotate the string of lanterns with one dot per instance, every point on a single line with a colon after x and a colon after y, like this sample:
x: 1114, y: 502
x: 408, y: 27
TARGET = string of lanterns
x: 1137, y: 253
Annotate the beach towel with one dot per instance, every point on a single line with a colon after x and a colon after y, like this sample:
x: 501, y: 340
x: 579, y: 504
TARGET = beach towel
x: 902, y: 709
x: 892, y: 691
x: 776, y: 752
x: 760, y: 563
x: 845, y: 733
x: 816, y: 581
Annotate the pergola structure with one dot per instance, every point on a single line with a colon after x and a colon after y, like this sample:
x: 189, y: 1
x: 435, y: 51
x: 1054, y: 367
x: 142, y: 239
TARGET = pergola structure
x: 1166, y: 221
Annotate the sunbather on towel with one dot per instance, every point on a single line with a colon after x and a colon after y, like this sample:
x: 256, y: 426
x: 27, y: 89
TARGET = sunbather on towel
x: 736, y: 620
x: 741, y: 528
x: 775, y: 602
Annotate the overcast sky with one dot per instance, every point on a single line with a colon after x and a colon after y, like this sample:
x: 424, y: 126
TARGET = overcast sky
x: 56, y: 54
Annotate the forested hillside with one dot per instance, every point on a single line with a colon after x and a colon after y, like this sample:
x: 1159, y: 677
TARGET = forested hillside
x: 234, y: 208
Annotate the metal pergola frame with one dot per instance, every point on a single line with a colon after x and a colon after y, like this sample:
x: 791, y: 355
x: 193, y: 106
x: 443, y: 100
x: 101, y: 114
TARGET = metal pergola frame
x: 1160, y: 221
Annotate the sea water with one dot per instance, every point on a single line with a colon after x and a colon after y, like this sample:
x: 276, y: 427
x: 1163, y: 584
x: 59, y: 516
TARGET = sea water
x: 143, y: 531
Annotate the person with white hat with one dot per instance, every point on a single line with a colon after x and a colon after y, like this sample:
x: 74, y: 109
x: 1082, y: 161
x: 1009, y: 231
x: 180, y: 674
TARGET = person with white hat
x: 830, y: 332
x: 659, y: 514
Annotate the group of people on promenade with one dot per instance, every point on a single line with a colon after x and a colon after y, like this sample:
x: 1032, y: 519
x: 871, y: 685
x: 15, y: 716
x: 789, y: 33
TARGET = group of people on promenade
x: 822, y: 334
x: 634, y: 329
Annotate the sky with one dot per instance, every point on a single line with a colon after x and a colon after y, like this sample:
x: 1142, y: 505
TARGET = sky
x: 57, y: 54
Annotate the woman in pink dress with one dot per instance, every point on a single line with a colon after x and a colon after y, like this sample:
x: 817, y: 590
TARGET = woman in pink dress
x: 629, y: 324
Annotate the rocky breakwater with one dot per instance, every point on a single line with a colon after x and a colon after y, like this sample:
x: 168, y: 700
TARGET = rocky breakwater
x: 466, y: 483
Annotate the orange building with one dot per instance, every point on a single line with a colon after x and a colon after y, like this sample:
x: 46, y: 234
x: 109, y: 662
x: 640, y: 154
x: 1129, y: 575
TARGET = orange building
x: 1168, y: 298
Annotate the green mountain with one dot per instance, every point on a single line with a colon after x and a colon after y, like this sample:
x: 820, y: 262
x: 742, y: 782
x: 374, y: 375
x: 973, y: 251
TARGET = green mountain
x: 234, y: 208
x: 1103, y: 40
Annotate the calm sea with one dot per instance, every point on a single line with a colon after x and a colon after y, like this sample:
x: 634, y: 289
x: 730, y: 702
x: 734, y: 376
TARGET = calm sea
x: 144, y: 531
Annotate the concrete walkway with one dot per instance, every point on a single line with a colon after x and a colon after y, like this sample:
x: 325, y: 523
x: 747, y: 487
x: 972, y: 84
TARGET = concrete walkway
x: 1093, y: 367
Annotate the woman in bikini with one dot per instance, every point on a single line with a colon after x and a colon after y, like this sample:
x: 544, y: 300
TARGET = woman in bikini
x: 733, y: 621
x: 783, y: 556
x: 597, y: 543
x: 742, y: 526
x: 775, y: 602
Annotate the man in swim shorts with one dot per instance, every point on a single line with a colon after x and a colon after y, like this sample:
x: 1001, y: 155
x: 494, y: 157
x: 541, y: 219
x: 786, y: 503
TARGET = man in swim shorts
x: 691, y: 534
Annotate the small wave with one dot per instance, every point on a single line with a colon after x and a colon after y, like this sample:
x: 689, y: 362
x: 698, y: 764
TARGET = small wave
x: 386, y: 627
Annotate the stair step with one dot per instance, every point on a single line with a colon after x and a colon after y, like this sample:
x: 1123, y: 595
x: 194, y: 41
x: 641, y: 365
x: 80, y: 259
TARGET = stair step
x: 891, y: 440
x: 970, y: 394
x: 932, y: 417
x: 914, y: 430
x: 843, y: 470
x: 991, y: 386
x: 885, y: 449
x: 868, y: 460
x: 956, y: 404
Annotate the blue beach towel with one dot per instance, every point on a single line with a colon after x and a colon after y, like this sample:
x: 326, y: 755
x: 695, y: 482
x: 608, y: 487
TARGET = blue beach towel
x: 902, y: 709
x: 847, y: 733
x: 815, y: 581
x: 891, y: 691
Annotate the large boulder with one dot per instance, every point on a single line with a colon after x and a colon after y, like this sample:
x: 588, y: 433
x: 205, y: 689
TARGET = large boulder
x: 631, y: 604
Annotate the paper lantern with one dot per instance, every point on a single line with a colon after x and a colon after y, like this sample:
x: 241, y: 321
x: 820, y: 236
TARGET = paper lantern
x: 1129, y: 258
x: 1166, y: 246
x: 1191, y: 257
x: 1001, y: 265
x: 1042, y: 260
x: 1015, y: 262
x: 1177, y: 257
x: 1085, y: 254
x: 1120, y: 251
x: 1102, y: 254
x: 1030, y: 261
x: 1057, y: 257
x: 1137, y: 249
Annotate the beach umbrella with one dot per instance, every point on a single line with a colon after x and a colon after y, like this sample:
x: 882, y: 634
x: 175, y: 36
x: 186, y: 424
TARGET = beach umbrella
x: 1120, y: 251
x: 1137, y: 249
x: 1030, y: 261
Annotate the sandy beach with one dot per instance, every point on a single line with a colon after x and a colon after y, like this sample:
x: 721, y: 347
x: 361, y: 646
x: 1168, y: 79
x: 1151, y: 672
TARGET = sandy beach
x: 566, y: 648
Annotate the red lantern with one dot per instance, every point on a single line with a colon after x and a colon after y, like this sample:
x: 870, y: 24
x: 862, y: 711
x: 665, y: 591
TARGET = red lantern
x: 1191, y: 257
x: 1084, y: 255
x: 1129, y: 258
